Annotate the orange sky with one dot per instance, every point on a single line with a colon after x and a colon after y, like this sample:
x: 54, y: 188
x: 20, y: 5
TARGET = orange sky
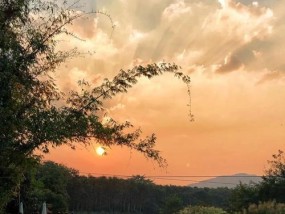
x: 233, y: 51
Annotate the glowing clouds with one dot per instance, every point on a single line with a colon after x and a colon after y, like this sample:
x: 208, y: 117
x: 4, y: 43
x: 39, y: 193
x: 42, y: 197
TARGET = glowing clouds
x: 231, y: 63
x: 223, y: 3
x: 239, y: 24
x: 175, y: 10
x: 136, y: 36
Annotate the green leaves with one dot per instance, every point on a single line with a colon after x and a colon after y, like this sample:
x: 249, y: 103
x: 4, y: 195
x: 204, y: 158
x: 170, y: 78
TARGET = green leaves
x: 201, y: 210
x: 34, y: 114
x: 123, y: 81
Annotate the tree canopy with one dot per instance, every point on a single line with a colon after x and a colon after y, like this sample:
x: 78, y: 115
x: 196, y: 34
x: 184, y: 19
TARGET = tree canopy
x: 267, y: 194
x: 34, y: 113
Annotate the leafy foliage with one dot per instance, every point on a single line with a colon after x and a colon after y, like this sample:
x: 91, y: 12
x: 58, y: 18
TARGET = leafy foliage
x: 242, y: 196
x: 273, y: 185
x: 34, y: 114
x: 270, y: 189
x: 270, y: 207
x: 201, y: 210
x: 173, y: 203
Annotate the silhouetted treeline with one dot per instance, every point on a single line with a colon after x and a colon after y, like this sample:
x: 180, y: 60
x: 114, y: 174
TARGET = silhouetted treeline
x: 138, y: 195
x: 65, y: 191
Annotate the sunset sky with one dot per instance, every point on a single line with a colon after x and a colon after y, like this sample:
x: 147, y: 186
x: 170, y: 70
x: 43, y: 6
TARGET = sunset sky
x: 234, y: 52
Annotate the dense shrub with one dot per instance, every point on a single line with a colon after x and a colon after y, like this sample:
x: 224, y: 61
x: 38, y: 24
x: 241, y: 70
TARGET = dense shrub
x: 270, y: 207
x: 201, y: 210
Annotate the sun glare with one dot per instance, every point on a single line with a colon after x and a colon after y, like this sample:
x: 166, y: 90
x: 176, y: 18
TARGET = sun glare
x: 100, y: 151
x: 223, y: 3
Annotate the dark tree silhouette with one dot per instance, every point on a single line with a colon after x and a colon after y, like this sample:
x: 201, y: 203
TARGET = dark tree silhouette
x: 30, y: 115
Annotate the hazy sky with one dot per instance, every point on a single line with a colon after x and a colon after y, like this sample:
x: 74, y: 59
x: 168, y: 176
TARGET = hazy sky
x: 234, y: 52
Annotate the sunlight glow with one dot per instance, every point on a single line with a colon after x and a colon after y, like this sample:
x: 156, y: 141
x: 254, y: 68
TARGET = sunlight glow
x: 223, y: 3
x: 255, y: 3
x: 100, y: 151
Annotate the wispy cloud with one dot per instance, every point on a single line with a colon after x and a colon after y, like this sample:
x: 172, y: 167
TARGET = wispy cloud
x: 175, y: 10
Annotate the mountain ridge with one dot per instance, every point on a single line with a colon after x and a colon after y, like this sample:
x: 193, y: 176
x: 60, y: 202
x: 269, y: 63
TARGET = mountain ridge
x: 229, y: 181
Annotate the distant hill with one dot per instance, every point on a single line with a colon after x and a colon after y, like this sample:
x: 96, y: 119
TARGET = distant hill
x: 229, y: 181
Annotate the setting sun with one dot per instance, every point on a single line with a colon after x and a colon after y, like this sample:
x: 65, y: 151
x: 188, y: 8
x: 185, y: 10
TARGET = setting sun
x: 100, y: 151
